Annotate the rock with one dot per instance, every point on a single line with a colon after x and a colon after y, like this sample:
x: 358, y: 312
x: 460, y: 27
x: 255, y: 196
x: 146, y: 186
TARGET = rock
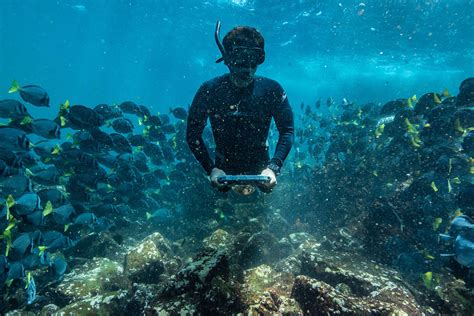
x: 94, y: 278
x: 347, y: 284
x: 204, y: 286
x: 219, y: 240
x: 19, y: 313
x: 454, y: 298
x: 297, y: 239
x: 290, y: 264
x: 49, y: 309
x: 150, y: 259
x: 392, y: 107
x: 426, y: 103
x: 199, y: 273
x: 270, y: 303
x: 142, y: 295
x: 258, y: 249
x: 109, y: 303
x: 144, y: 263
x: 267, y: 292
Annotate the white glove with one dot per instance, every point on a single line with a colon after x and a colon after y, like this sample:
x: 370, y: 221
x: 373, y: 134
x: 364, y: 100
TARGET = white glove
x: 273, y: 181
x: 216, y: 173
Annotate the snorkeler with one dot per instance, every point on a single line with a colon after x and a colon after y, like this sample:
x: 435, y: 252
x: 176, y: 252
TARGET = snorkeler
x: 240, y: 107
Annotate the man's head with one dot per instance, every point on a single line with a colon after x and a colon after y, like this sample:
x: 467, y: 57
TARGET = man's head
x: 244, y: 48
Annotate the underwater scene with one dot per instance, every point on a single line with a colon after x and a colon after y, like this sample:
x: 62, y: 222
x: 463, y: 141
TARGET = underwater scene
x: 236, y: 157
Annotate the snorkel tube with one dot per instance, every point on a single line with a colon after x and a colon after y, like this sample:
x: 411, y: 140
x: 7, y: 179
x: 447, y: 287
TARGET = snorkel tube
x: 219, y: 44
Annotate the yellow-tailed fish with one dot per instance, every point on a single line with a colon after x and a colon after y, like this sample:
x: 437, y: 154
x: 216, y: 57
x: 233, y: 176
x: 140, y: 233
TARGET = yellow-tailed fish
x: 457, y: 126
x: 64, y: 106
x: 427, y: 279
x: 56, y: 149
x: 42, y: 249
x: 379, y: 130
x: 446, y: 93
x: 456, y: 180
x: 417, y: 141
x: 48, y: 209
x: 409, y: 125
x: 63, y: 121
x: 427, y: 125
x: 410, y: 105
x: 449, y: 186
x: 8, y: 237
x: 29, y: 173
x: 457, y: 212
x: 28, y: 280
x: 433, y: 186
x: 10, y: 201
x: 11, y: 224
x: 15, y: 87
x: 375, y: 173
x: 427, y: 255
x: 436, y: 98
x: 437, y: 222
x: 26, y: 120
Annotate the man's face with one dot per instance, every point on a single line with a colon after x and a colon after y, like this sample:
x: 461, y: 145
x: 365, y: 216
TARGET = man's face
x: 243, y: 63
x: 242, y: 76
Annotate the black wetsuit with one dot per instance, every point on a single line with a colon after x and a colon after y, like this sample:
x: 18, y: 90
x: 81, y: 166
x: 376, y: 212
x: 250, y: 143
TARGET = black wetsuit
x: 240, y: 120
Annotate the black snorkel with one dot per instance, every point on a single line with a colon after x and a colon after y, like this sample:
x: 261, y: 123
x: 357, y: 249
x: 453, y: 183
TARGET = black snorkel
x: 219, y: 44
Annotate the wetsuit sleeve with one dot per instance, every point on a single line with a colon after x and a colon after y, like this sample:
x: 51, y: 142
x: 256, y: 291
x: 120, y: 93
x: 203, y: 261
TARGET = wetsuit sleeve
x: 283, y: 116
x: 197, y: 120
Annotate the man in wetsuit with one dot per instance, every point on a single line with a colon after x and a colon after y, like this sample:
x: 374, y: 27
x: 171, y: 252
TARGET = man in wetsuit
x: 240, y: 107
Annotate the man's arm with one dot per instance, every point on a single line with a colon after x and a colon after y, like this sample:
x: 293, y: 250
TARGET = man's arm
x: 197, y: 120
x: 283, y: 116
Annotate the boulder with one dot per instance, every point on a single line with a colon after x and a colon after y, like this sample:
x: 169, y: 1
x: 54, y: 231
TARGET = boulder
x: 347, y: 284
x: 267, y: 292
x: 150, y: 259
x: 95, y: 277
x: 219, y: 240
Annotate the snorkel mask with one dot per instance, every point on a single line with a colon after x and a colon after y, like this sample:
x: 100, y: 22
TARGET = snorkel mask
x: 239, y: 56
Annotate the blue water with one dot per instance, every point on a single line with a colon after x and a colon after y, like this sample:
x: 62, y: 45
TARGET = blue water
x: 157, y: 53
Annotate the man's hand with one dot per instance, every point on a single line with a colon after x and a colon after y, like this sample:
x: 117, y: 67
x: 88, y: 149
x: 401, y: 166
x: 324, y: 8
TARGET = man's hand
x: 268, y: 186
x: 216, y: 173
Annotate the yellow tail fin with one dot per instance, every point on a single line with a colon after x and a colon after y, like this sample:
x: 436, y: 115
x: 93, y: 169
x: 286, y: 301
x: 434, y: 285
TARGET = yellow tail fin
x: 63, y: 121
x: 10, y: 201
x: 26, y: 120
x: 28, y: 280
x: 42, y: 249
x: 15, y: 87
x: 56, y: 150
x: 29, y: 173
x: 446, y: 93
x: 48, y: 209
x: 65, y: 106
